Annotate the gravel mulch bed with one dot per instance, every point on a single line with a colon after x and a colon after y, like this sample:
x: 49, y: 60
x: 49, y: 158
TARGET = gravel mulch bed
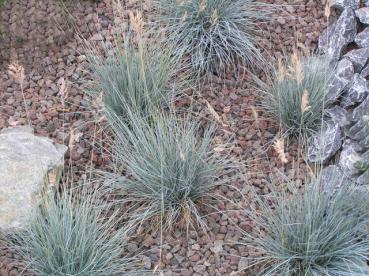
x: 40, y: 36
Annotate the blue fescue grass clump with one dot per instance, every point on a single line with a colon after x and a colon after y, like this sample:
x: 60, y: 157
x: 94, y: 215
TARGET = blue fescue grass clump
x: 294, y: 95
x: 169, y: 166
x: 213, y: 34
x: 71, y: 234
x: 320, y: 231
x: 132, y: 77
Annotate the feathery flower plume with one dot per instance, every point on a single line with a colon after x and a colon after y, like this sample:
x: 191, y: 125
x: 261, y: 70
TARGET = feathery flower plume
x: 278, y: 146
x: 118, y: 9
x: 214, y: 17
x: 297, y: 67
x: 137, y: 22
x: 327, y: 11
x: 305, y: 106
x: 184, y: 17
x: 202, y: 6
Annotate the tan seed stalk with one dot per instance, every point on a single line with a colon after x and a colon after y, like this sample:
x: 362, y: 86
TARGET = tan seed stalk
x: 137, y: 22
x: 202, y: 6
x: 17, y: 72
x: 118, y: 9
x: 281, y: 70
x: 214, y: 17
x: 215, y: 114
x: 184, y: 17
x: 327, y: 11
x: 278, y: 146
x: 296, y: 61
x: 305, y: 106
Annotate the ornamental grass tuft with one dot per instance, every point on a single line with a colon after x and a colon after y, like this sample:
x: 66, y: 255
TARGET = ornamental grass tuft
x: 213, y: 34
x: 295, y: 93
x: 169, y: 166
x: 71, y: 234
x: 321, y: 231
x: 131, y: 78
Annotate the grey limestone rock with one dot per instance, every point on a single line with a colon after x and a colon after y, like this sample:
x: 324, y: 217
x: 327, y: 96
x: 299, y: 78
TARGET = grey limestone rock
x: 325, y: 36
x: 355, y: 164
x: 342, y: 4
x: 365, y: 72
x: 338, y: 115
x: 347, y: 100
x: 341, y: 78
x: 359, y: 131
x: 358, y: 57
x: 359, y: 89
x: 363, y: 15
x: 362, y: 38
x: 325, y: 143
x: 361, y: 110
x: 363, y: 179
x: 350, y: 157
x: 336, y: 38
x: 29, y: 165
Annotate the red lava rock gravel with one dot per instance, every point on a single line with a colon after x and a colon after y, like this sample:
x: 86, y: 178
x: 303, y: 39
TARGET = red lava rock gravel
x: 41, y: 37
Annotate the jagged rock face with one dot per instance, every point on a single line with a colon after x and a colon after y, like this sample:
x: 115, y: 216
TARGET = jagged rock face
x: 365, y: 72
x: 351, y: 158
x: 341, y: 78
x: 29, y: 165
x: 358, y: 57
x: 347, y: 98
x: 338, y: 115
x: 358, y: 90
x: 359, y: 132
x: 342, y: 34
x: 361, y: 110
x: 325, y: 37
x: 326, y: 143
x: 362, y: 38
x: 363, y: 15
x: 343, y: 4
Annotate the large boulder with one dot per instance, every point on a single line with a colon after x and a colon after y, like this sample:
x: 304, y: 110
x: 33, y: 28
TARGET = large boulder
x: 29, y: 166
